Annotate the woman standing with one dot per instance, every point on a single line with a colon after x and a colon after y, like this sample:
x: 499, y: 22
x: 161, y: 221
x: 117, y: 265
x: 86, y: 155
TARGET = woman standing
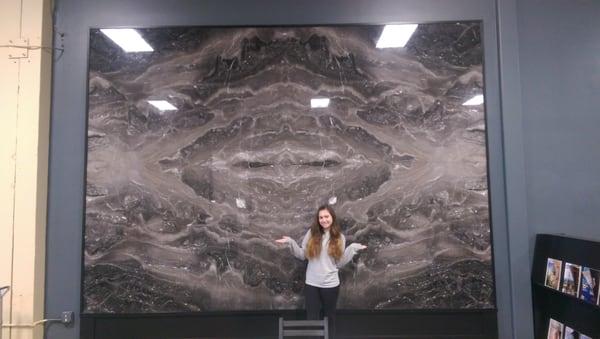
x: 324, y: 246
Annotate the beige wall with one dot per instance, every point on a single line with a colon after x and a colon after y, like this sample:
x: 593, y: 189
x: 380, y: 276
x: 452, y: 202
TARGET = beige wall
x: 24, y: 134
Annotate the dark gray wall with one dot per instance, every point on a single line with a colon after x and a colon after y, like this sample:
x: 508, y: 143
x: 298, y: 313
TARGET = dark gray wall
x: 560, y: 70
x: 503, y: 109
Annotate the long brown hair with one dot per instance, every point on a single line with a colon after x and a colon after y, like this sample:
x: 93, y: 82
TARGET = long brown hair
x: 334, y: 249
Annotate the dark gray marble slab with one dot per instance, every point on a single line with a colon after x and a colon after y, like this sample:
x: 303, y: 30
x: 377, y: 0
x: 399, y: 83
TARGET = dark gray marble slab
x: 183, y: 206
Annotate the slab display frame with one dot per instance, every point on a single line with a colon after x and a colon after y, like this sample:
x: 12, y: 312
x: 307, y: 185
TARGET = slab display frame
x: 350, y: 308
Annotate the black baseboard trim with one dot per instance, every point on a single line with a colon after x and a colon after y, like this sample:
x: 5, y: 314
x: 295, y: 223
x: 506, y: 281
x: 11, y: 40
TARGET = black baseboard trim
x: 413, y: 324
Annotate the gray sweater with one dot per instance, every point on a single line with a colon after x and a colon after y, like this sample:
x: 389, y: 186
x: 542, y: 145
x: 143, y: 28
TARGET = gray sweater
x: 323, y: 270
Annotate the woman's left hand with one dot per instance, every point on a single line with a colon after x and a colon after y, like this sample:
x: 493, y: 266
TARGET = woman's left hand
x: 358, y: 246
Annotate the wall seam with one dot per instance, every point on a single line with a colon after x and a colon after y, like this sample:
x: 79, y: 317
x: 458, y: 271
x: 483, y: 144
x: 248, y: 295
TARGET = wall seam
x: 514, y: 173
x: 503, y: 143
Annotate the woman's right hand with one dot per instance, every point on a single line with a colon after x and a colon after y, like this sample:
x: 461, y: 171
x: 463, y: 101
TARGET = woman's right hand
x: 283, y: 240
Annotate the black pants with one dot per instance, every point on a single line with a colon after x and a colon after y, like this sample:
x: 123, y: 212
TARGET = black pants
x: 321, y: 302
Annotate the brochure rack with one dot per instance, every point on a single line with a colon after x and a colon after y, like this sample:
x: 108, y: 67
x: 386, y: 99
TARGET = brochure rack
x: 550, y: 303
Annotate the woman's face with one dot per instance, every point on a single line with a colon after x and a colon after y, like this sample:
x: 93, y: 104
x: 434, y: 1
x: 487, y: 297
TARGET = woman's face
x: 325, y: 219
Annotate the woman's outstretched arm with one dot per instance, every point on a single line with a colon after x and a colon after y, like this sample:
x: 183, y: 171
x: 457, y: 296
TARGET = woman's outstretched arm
x: 297, y: 251
x: 349, y: 253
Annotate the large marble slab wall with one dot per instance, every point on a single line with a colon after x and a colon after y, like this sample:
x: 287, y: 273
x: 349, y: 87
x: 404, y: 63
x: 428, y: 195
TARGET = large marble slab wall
x: 183, y: 206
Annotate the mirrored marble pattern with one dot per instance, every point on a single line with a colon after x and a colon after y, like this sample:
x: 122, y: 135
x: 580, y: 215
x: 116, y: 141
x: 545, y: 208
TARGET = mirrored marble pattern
x: 183, y: 202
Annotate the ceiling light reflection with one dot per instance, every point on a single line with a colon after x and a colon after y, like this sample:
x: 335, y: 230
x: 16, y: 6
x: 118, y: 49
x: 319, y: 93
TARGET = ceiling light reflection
x: 474, y: 101
x: 128, y: 39
x: 396, y: 35
x: 162, y: 105
x: 319, y: 102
